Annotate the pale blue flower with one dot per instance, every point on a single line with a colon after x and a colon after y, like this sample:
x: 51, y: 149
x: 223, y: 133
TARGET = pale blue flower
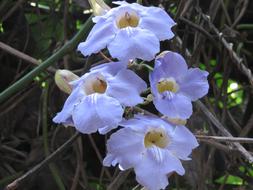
x: 98, y: 98
x: 152, y: 147
x: 174, y: 86
x: 129, y: 31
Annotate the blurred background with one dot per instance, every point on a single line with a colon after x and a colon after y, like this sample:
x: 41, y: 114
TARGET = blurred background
x: 39, y: 28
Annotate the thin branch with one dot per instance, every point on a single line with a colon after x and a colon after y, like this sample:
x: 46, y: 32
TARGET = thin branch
x: 18, y: 54
x: 121, y: 177
x: 69, y: 46
x: 215, y: 121
x: 98, y: 155
x: 199, y: 28
x: 23, y: 56
x: 243, y: 10
x: 229, y: 47
x: 225, y: 139
x: 15, y: 184
x: 12, y: 10
x: 223, y: 130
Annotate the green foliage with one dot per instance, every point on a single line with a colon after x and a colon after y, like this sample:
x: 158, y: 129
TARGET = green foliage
x: 96, y: 185
x: 229, y: 180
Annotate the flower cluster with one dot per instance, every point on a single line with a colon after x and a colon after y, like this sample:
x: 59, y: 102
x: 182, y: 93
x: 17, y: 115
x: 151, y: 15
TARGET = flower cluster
x: 152, y: 146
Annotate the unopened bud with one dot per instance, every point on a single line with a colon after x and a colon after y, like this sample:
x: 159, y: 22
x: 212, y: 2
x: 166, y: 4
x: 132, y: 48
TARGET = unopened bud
x: 99, y: 7
x: 62, y: 79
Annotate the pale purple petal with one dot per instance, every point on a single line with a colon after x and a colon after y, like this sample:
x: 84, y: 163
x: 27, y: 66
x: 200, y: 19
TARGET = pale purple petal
x: 159, y: 22
x: 126, y: 87
x: 172, y: 64
x: 182, y: 143
x: 152, y: 173
x: 100, y: 35
x: 111, y: 68
x: 124, y: 147
x: 141, y: 123
x: 194, y: 84
x: 65, y: 116
x: 131, y: 43
x: 177, y: 106
x: 95, y: 112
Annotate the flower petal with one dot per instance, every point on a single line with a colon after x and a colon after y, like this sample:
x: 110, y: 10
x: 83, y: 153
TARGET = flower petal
x: 65, y: 116
x: 129, y: 44
x: 142, y: 123
x: 182, y: 143
x: 179, y: 106
x: 124, y: 147
x: 111, y: 68
x: 161, y: 20
x: 152, y: 173
x: 100, y: 35
x: 171, y: 64
x: 194, y: 84
x: 126, y: 87
x: 97, y: 112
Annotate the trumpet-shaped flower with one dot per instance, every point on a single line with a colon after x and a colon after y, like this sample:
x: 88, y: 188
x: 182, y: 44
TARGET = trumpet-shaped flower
x: 152, y: 147
x: 174, y: 86
x: 98, y: 97
x: 129, y: 31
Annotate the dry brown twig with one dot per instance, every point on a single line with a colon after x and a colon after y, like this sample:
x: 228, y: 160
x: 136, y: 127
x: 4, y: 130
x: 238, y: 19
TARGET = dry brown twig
x: 223, y: 130
x: 225, y: 139
x: 229, y: 47
x: 22, y: 55
x: 214, y: 120
x: 15, y: 184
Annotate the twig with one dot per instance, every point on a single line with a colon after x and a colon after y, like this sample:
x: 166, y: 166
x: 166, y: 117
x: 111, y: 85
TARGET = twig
x: 223, y: 6
x: 238, y: 18
x: 235, y: 58
x: 52, y: 167
x: 12, y: 10
x: 18, y: 54
x: 15, y: 184
x: 224, y: 131
x: 225, y: 139
x: 105, y: 57
x: 98, y: 155
x: 13, y: 150
x: 65, y: 31
x: 51, y: 60
x: 247, y: 127
x: 200, y: 29
x: 121, y: 177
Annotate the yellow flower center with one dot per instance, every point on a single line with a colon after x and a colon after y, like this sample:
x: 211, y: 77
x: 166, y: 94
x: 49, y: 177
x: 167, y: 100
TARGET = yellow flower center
x: 95, y: 84
x: 128, y: 19
x: 157, y: 138
x: 99, y: 86
x: 168, y: 84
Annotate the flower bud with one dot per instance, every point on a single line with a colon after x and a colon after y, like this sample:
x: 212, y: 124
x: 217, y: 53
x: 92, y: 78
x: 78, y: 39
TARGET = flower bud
x: 99, y: 7
x: 62, y: 79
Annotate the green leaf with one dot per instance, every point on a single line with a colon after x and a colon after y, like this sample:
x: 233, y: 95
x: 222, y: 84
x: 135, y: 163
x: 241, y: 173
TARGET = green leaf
x: 230, y: 180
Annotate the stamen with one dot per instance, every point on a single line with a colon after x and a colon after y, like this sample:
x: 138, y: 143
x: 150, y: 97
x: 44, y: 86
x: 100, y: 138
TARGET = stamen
x: 99, y: 86
x: 95, y: 85
x: 168, y: 84
x: 156, y: 138
x: 129, y: 19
